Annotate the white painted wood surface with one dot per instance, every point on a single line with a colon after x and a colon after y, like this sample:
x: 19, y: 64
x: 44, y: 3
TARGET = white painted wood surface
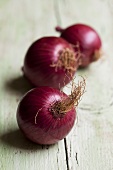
x: 89, y: 146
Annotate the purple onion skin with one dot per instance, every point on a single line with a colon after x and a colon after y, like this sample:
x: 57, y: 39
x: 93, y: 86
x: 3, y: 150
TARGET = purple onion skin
x: 87, y: 38
x: 47, y: 129
x: 39, y: 58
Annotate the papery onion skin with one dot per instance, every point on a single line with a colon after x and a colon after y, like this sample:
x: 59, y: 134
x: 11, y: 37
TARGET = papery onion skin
x: 48, y: 129
x: 88, y: 39
x: 40, y: 57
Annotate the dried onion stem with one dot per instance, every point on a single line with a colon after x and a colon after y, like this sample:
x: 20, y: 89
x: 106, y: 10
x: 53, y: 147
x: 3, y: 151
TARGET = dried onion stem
x: 67, y: 104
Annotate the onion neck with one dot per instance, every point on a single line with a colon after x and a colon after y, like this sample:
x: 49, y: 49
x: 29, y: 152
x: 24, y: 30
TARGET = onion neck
x: 60, y: 108
x: 59, y: 29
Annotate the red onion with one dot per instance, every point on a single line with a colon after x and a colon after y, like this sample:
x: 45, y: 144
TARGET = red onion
x: 88, y: 40
x: 48, y: 61
x: 46, y: 115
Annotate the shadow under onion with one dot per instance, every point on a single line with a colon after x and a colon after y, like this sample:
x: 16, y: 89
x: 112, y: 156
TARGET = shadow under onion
x: 18, y: 85
x: 16, y: 139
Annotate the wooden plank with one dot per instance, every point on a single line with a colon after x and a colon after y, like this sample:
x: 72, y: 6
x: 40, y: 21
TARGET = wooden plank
x: 89, y: 145
x: 22, y: 22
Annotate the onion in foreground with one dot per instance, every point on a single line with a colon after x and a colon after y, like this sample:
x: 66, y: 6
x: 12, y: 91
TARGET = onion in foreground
x: 88, y: 39
x: 48, y: 61
x: 46, y: 115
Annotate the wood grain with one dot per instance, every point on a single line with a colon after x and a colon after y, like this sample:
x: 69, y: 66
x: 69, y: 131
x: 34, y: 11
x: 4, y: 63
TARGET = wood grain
x: 89, y: 146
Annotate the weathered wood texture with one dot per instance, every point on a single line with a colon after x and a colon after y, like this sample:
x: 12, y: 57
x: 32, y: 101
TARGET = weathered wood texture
x: 89, y: 146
